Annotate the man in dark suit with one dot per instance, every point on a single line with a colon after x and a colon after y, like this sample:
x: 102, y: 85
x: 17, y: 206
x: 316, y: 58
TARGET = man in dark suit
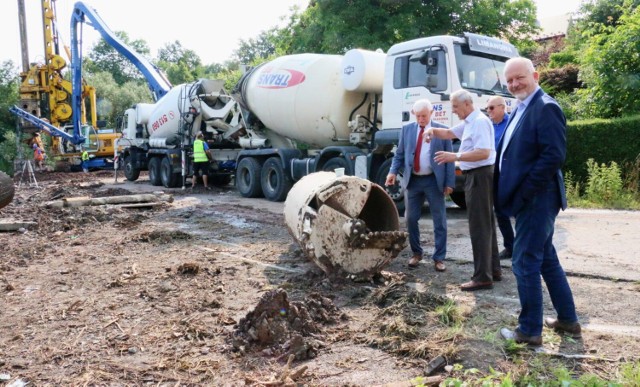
x: 423, y: 179
x: 528, y: 184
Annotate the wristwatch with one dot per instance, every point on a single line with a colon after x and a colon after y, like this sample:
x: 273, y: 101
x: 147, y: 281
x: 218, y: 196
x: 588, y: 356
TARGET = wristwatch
x: 458, y: 155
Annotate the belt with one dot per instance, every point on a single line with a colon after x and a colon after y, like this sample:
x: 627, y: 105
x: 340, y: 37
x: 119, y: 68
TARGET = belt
x: 464, y: 172
x: 418, y: 175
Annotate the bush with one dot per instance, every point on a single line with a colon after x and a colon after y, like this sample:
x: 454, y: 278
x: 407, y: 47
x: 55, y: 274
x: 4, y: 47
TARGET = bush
x: 604, y: 141
x: 604, y: 183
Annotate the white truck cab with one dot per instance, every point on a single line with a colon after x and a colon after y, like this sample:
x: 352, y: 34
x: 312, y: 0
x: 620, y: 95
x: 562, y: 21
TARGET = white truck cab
x: 434, y: 67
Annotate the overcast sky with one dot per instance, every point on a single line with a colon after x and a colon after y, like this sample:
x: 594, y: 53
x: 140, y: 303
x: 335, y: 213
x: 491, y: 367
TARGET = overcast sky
x: 211, y: 28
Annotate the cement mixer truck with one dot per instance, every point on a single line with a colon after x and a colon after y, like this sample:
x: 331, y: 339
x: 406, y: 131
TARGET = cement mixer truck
x: 323, y: 112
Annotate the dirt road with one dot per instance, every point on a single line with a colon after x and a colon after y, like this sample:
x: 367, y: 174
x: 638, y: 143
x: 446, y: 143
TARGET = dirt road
x: 184, y: 293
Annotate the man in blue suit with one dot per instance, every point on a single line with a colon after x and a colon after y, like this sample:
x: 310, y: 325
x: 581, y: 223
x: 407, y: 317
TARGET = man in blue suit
x: 528, y: 184
x: 423, y: 179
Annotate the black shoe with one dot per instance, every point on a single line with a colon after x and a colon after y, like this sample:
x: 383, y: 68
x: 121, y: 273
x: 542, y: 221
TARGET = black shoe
x: 505, y: 254
x: 573, y: 330
x: 519, y: 338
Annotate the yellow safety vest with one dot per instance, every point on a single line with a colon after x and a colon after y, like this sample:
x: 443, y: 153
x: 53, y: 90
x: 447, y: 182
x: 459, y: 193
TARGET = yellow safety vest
x: 199, y: 155
x: 85, y: 156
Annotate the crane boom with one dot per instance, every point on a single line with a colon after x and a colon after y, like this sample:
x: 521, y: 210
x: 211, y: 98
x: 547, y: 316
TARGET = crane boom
x: 158, y: 84
x: 41, y: 124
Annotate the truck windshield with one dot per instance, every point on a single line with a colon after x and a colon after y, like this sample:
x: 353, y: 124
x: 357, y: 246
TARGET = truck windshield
x: 480, y: 73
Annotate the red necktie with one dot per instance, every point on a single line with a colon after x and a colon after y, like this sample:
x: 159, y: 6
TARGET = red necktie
x: 416, y: 156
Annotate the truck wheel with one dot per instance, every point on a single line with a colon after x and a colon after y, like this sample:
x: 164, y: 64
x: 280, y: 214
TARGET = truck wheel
x: 130, y: 172
x: 396, y: 192
x: 154, y: 171
x: 274, y: 180
x: 337, y: 162
x: 7, y: 190
x: 458, y: 199
x: 169, y: 179
x: 248, y: 178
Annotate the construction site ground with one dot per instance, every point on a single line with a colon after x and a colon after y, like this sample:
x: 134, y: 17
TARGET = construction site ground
x: 210, y: 289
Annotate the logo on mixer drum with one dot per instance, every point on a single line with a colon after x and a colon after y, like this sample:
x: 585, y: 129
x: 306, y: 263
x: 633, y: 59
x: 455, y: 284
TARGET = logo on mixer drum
x: 280, y: 78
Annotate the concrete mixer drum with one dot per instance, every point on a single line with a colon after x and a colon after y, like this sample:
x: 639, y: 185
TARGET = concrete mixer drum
x: 344, y: 224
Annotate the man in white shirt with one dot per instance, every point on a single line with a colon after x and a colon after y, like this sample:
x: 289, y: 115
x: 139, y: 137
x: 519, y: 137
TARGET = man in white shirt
x: 476, y: 156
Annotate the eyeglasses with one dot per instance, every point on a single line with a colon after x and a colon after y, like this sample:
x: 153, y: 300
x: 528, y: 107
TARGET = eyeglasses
x: 490, y: 108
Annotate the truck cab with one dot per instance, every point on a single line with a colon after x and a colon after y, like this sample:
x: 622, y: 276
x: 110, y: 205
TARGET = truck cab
x: 435, y: 67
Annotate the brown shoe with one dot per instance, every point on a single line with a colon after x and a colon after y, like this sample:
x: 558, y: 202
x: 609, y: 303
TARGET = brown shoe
x: 439, y: 265
x: 473, y: 285
x: 519, y: 338
x: 497, y: 276
x: 573, y: 330
x: 413, y: 262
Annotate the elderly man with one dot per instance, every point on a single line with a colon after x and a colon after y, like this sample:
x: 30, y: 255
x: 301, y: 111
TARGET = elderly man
x: 496, y: 110
x: 529, y: 186
x: 476, y: 156
x: 423, y: 179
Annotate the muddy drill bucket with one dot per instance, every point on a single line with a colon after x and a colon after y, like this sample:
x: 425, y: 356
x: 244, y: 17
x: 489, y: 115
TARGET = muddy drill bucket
x: 344, y: 223
x: 7, y: 190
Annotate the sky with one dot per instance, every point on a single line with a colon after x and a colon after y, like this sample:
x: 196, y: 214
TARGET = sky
x: 211, y: 28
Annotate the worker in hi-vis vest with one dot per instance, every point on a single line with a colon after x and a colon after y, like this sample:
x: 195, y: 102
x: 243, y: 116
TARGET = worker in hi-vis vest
x: 200, y: 161
x: 85, y: 161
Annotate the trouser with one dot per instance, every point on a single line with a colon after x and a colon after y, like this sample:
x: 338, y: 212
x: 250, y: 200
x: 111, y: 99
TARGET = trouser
x: 533, y: 256
x: 506, y: 229
x: 419, y: 189
x: 478, y: 190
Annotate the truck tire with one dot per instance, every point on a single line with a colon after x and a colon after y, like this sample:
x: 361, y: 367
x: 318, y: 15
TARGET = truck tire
x: 248, y: 178
x: 459, y: 199
x: 337, y: 162
x: 7, y: 190
x: 154, y: 171
x: 130, y: 172
x: 396, y: 192
x: 274, y: 180
x: 168, y: 178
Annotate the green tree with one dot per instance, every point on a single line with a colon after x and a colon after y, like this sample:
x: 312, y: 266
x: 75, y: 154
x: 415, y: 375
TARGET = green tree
x: 114, y: 99
x: 180, y: 64
x: 605, y: 12
x: 333, y: 26
x: 262, y: 47
x: 8, y: 96
x: 611, y: 67
x: 104, y: 58
x: 9, y: 81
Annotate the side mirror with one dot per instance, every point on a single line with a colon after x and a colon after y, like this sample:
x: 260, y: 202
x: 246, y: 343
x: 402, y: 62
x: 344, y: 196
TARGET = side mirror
x: 429, y: 58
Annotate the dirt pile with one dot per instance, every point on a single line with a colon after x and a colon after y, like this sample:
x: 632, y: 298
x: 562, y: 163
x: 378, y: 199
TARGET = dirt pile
x: 279, y: 327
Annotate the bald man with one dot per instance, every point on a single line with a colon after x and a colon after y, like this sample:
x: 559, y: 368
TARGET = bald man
x: 529, y: 185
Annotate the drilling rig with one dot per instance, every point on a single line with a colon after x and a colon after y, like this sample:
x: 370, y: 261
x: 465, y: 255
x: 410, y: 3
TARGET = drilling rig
x: 46, y: 94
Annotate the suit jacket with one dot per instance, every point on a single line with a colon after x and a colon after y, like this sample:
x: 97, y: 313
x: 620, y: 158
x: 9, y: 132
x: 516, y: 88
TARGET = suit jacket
x: 445, y: 173
x: 534, y: 155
